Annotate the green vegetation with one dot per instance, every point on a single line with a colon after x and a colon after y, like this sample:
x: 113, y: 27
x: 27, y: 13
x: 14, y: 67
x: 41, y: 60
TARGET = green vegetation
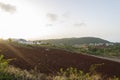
x: 73, y: 41
x: 3, y: 66
x: 109, y: 51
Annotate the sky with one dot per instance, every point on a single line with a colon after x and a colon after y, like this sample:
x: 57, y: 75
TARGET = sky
x: 48, y: 19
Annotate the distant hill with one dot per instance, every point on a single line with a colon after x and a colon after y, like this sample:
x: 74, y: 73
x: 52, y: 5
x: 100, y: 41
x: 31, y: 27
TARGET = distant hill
x: 72, y: 41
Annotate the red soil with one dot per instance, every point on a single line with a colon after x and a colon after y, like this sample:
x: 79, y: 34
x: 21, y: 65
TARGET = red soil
x: 51, y: 60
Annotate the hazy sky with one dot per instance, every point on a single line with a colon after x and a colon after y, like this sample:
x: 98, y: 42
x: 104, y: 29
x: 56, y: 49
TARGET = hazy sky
x: 45, y: 19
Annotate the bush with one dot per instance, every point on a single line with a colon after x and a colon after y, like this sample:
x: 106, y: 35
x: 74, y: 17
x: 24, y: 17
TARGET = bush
x: 74, y: 74
x: 3, y: 62
x: 3, y: 66
x: 8, y: 72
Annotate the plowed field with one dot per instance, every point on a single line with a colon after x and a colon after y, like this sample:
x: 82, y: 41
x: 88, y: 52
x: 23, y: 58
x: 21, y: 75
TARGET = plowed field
x: 51, y: 60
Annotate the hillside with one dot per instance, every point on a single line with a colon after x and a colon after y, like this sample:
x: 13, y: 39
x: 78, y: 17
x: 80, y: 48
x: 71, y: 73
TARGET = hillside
x: 72, y: 41
x: 48, y: 60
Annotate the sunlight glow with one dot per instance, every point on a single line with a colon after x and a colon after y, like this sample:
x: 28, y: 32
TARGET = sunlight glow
x: 24, y: 23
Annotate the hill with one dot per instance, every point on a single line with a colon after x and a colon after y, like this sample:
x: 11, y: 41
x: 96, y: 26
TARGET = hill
x: 73, y: 41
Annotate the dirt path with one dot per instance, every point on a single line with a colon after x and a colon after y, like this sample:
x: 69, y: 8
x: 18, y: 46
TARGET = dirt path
x: 107, y: 58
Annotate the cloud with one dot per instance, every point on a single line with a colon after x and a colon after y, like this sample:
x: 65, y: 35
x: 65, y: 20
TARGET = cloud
x: 79, y: 24
x: 52, y: 17
x: 7, y: 7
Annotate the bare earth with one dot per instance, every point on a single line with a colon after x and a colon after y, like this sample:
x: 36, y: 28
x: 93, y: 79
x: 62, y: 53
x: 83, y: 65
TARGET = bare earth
x: 51, y: 60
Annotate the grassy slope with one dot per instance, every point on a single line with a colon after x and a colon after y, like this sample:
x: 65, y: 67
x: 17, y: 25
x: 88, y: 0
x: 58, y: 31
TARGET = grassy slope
x: 72, y: 41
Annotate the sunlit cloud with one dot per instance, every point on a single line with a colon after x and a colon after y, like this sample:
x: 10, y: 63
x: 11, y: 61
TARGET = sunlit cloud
x: 7, y: 7
x: 52, y: 17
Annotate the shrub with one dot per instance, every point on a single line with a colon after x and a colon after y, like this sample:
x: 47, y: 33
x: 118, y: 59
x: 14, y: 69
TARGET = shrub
x: 74, y: 74
x: 8, y: 72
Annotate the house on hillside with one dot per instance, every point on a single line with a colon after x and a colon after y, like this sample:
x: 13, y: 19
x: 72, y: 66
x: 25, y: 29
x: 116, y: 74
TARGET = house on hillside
x: 80, y: 45
x: 23, y: 41
x: 37, y: 42
x: 101, y: 44
x: 109, y: 44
